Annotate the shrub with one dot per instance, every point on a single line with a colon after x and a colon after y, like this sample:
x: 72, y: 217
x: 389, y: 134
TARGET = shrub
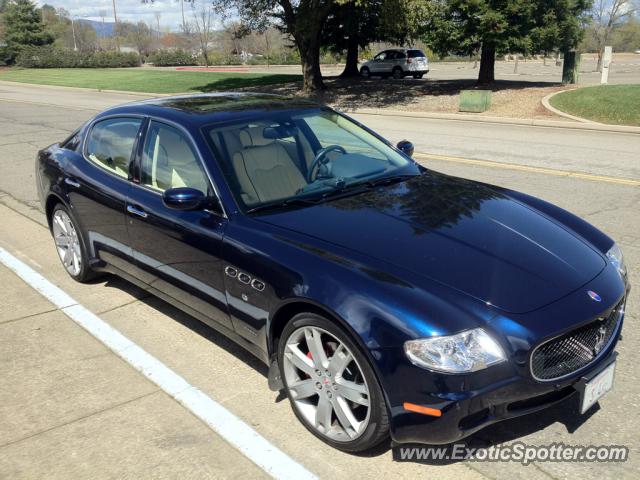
x: 171, y: 58
x: 51, y: 57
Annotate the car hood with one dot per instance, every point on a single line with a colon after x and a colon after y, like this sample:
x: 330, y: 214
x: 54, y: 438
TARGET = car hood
x: 462, y: 234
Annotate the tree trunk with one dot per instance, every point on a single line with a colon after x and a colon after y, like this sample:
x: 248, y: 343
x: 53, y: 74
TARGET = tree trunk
x: 351, y: 68
x: 486, y: 75
x: 600, y: 56
x: 310, y: 58
x: 570, y: 67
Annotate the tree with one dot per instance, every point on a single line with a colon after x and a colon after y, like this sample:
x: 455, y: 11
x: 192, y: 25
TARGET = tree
x: 356, y: 24
x: 203, y: 22
x: 139, y: 35
x: 302, y: 19
x: 608, y: 15
x: 627, y: 37
x: 23, y: 27
x: 500, y: 26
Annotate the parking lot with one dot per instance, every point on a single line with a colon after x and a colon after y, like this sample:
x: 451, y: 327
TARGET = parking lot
x: 71, y: 408
x: 625, y: 69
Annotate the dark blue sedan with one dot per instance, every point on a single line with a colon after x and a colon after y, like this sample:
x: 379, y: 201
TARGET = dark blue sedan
x: 386, y: 298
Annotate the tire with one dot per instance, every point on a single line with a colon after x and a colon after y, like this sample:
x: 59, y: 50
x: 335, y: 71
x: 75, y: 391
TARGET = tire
x: 397, y: 73
x: 70, y: 244
x: 346, y: 385
x: 365, y: 72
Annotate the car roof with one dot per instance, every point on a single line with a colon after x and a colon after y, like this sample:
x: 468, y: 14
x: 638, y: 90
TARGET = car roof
x: 400, y: 50
x: 200, y: 109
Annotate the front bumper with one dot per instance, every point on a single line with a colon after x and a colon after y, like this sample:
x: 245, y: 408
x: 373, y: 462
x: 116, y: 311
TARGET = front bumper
x: 461, y: 418
x: 470, y: 402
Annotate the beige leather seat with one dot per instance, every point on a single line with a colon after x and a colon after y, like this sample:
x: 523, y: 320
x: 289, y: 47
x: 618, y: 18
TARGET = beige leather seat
x: 174, y: 164
x: 264, y: 169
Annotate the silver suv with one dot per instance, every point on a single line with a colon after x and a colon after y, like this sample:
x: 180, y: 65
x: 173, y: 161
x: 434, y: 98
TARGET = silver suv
x: 398, y: 63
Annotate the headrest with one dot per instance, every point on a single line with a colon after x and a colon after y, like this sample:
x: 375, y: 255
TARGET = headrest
x: 253, y: 137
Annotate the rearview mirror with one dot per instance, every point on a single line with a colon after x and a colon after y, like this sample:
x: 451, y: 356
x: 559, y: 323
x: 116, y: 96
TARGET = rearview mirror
x: 184, y: 198
x: 406, y: 147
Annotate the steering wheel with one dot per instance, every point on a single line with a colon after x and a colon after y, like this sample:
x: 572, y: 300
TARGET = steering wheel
x: 321, y: 159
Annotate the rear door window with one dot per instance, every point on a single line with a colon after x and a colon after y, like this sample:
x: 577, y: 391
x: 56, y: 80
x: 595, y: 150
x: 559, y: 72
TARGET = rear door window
x: 110, y: 144
x: 416, y: 54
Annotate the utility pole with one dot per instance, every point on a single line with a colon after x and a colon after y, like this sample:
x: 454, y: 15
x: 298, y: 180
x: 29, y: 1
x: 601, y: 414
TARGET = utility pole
x: 73, y: 32
x: 115, y: 26
x: 157, y: 14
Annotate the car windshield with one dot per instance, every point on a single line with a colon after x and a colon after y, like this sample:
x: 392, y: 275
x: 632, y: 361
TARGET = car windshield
x: 302, y: 157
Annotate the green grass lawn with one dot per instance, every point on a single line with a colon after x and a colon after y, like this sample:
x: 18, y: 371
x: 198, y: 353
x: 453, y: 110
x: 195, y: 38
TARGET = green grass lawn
x: 613, y: 104
x: 144, y: 80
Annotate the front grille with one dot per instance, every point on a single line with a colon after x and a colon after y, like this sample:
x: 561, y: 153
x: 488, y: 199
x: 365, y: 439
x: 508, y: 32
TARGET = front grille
x: 575, y: 350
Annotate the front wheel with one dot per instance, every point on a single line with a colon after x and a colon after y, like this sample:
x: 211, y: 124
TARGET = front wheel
x: 365, y: 72
x: 331, y: 385
x: 397, y: 73
x: 69, y: 244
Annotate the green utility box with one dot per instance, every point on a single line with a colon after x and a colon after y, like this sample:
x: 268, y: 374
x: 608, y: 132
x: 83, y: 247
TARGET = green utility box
x: 475, y: 101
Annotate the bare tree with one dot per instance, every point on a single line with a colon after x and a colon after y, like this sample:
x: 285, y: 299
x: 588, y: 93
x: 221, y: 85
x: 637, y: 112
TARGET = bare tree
x: 203, y: 23
x: 607, y: 15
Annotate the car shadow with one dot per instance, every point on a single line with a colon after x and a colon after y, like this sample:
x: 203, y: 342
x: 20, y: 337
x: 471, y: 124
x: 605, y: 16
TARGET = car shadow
x: 192, y: 323
x: 565, y: 412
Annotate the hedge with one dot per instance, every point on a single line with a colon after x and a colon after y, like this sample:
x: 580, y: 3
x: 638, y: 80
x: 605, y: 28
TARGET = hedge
x: 172, y: 58
x: 52, y: 57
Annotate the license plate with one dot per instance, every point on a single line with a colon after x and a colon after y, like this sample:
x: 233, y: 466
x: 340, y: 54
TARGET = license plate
x: 597, y: 387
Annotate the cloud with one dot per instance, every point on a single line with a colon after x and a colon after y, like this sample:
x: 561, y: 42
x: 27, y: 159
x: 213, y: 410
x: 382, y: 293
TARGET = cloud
x: 131, y: 10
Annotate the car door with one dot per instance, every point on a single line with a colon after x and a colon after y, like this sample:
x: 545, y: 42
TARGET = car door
x: 178, y: 252
x: 98, y: 183
x: 379, y: 62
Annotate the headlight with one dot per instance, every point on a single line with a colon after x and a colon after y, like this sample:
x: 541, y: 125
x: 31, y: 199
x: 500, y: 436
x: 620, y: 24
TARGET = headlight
x: 617, y: 260
x: 460, y: 353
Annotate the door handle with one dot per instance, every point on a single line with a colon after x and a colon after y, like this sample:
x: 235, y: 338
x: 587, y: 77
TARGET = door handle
x: 71, y: 182
x: 136, y: 211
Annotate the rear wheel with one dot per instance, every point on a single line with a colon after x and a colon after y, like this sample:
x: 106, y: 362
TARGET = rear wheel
x: 330, y: 384
x: 69, y: 244
x: 365, y: 72
x: 397, y: 73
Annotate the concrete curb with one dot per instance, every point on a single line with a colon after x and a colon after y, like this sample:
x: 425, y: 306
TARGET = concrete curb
x: 577, y: 125
x: 547, y: 104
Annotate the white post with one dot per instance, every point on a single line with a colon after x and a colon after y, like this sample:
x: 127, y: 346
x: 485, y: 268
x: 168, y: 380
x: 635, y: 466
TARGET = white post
x: 606, y: 61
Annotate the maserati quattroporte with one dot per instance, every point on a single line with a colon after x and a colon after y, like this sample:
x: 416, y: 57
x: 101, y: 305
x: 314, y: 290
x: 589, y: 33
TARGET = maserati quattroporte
x: 386, y: 298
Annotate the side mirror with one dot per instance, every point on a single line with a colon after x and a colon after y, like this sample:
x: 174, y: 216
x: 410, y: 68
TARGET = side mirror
x: 184, y: 198
x: 406, y: 147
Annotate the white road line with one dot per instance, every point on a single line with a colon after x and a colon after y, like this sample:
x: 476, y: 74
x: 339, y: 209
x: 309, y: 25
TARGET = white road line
x: 235, y: 431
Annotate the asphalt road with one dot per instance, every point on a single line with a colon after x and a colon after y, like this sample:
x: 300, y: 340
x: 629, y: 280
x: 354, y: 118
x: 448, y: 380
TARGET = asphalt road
x: 48, y: 428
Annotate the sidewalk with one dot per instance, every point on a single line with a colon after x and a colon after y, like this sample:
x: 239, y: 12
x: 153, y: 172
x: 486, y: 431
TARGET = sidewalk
x: 70, y: 408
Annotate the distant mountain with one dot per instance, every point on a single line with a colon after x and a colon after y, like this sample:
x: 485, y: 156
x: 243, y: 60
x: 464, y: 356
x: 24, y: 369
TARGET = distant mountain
x: 103, y: 30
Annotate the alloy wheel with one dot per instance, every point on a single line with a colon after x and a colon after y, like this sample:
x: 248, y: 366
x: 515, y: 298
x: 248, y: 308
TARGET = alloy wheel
x: 326, y: 384
x: 67, y: 242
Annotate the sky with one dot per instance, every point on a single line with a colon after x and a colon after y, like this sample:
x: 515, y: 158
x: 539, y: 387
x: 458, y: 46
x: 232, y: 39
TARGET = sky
x: 132, y: 10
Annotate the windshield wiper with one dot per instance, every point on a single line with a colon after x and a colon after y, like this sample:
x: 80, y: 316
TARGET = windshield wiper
x: 281, y: 204
x: 389, y: 179
x: 342, y: 191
